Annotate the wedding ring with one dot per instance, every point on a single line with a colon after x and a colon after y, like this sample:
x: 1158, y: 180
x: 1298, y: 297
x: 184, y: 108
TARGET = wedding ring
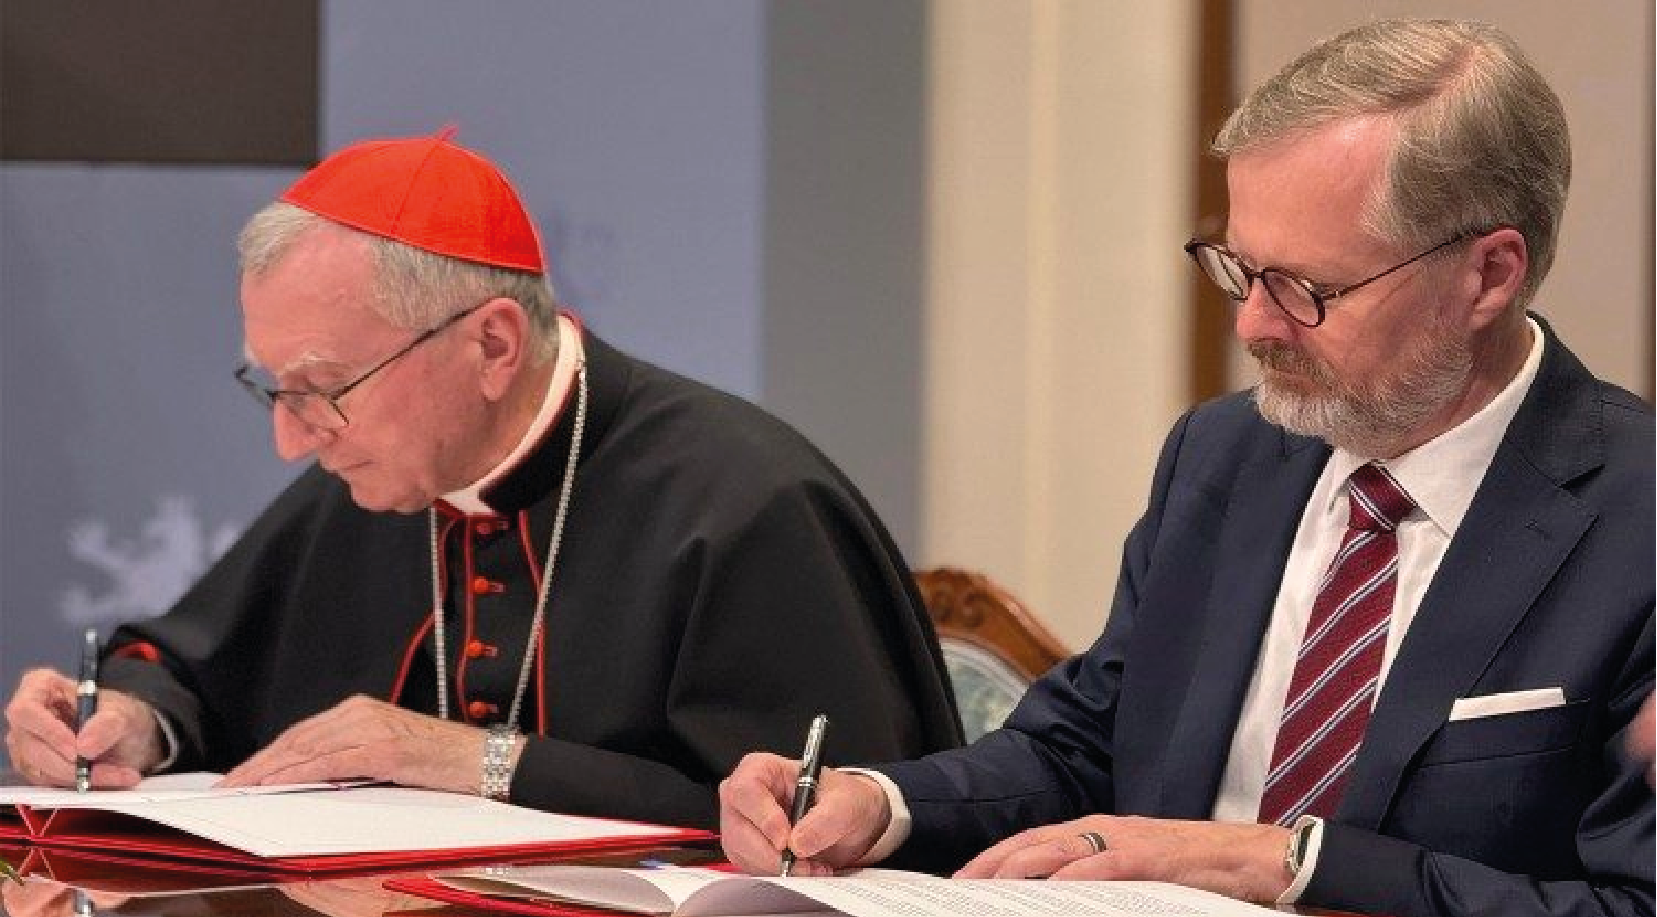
x: 1095, y: 840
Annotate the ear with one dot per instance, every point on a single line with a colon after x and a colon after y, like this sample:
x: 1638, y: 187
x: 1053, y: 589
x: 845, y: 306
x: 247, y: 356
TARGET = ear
x: 1498, y: 263
x: 501, y: 332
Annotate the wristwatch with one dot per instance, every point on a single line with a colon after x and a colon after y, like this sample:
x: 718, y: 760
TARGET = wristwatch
x: 1300, y: 841
x: 497, y: 762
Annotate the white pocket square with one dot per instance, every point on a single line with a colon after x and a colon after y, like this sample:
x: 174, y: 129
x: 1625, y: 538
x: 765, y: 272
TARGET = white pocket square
x: 1472, y: 708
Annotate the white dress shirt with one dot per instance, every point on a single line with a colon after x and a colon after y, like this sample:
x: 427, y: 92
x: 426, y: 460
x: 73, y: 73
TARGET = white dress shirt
x: 1441, y: 476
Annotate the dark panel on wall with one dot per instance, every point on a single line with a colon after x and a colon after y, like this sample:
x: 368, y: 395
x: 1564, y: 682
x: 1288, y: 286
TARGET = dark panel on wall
x: 1649, y: 383
x: 845, y: 238
x: 198, y: 81
x: 1211, y: 311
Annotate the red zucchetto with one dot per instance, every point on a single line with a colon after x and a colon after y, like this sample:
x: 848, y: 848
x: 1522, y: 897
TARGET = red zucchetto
x: 426, y: 192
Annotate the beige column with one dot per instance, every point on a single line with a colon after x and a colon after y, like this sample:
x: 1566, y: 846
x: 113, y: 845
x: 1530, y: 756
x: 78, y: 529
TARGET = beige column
x: 1060, y: 142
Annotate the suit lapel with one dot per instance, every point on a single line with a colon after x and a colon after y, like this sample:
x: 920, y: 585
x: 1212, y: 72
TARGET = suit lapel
x: 1510, y: 545
x: 1519, y: 530
x: 1261, y: 517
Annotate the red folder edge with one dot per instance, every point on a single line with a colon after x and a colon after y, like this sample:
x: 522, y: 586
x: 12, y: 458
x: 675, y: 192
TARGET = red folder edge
x: 173, y: 844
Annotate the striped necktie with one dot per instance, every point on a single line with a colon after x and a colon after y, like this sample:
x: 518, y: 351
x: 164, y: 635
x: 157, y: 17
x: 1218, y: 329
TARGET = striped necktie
x: 1339, y: 666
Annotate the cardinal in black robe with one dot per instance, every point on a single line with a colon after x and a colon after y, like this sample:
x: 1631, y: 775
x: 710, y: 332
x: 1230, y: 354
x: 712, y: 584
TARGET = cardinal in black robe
x: 718, y: 584
x: 524, y: 564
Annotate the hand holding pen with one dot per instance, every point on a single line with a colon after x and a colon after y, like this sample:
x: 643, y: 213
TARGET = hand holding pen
x: 849, y: 815
x: 805, y: 789
x: 58, y: 734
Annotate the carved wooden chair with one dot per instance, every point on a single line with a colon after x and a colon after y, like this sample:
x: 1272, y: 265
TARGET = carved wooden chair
x: 993, y: 646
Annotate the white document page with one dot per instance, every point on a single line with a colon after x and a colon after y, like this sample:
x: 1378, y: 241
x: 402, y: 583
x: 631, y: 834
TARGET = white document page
x: 896, y: 897
x: 163, y: 788
x: 639, y: 891
x: 869, y: 893
x: 374, y: 819
x: 297, y: 821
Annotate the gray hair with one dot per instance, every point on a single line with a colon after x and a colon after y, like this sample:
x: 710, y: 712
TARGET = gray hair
x: 415, y: 288
x: 1481, y: 138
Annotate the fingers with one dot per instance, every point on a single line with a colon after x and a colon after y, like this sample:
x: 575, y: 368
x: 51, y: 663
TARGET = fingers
x: 850, y: 816
x: 44, y: 898
x: 1039, y: 852
x: 1119, y: 864
x: 44, y: 708
x: 39, y: 736
x: 37, y: 762
x: 122, y: 740
x: 109, y: 776
x: 988, y: 864
x: 320, y: 738
x: 1242, y: 861
x: 352, y: 763
x: 364, y: 738
x: 753, y: 824
x: 1039, y: 861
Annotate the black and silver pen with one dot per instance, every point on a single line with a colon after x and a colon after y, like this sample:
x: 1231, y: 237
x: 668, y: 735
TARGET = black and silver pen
x: 86, y: 703
x: 805, y: 788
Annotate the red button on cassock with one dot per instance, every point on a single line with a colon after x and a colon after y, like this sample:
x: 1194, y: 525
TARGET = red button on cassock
x: 482, y: 585
x: 477, y: 649
x: 480, y: 710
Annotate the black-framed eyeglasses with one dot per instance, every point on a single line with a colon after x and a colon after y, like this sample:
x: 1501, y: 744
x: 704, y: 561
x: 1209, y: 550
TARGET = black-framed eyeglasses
x: 1300, y: 299
x: 321, y: 409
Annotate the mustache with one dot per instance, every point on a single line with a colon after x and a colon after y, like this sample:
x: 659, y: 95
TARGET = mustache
x: 1280, y: 357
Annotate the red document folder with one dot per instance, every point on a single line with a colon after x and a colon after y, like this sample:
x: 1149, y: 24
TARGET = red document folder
x: 319, y: 831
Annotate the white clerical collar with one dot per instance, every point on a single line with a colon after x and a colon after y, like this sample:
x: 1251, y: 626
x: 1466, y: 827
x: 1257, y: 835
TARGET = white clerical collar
x: 469, y: 500
x: 1442, y: 474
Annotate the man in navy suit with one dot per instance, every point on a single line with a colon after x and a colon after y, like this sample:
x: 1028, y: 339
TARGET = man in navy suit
x: 1421, y: 450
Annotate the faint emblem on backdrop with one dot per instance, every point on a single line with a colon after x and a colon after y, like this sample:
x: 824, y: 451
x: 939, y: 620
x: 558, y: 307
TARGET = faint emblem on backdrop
x: 142, y: 575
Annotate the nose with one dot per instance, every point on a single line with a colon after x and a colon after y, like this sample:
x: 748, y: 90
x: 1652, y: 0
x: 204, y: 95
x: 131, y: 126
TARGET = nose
x: 295, y: 438
x: 1259, y: 318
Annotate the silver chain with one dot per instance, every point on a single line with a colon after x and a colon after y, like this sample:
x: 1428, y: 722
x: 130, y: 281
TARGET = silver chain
x: 553, y: 544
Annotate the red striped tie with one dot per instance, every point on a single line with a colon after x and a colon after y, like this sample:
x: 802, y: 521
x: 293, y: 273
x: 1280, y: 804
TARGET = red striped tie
x: 1333, y: 688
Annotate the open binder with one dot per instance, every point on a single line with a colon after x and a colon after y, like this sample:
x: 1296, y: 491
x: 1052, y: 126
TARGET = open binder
x: 307, y: 829
x: 563, y: 890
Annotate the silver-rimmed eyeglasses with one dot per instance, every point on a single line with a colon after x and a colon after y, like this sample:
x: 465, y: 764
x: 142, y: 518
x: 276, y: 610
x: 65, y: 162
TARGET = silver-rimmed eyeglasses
x: 322, y: 409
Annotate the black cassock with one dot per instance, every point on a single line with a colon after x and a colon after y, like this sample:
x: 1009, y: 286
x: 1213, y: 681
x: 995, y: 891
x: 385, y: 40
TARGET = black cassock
x: 719, y: 583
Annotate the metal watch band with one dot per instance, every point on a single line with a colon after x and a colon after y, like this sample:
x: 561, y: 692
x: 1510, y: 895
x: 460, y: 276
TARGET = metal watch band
x: 497, y: 762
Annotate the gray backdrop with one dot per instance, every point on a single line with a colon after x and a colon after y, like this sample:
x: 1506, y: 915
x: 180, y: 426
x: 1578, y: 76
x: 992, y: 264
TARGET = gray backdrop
x: 731, y: 189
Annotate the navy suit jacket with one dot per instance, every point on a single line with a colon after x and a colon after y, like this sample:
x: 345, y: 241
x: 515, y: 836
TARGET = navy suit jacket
x: 1548, y: 582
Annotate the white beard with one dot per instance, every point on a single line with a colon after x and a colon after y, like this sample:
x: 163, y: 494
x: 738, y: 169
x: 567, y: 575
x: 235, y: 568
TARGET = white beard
x: 1374, y: 417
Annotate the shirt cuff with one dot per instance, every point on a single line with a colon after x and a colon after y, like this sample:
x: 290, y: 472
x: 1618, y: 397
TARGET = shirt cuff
x: 169, y: 742
x: 1308, y: 865
x: 897, y: 830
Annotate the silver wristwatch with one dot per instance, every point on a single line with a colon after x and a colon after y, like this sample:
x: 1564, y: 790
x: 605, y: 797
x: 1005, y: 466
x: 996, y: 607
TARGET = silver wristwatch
x: 497, y: 761
x: 1300, y: 842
